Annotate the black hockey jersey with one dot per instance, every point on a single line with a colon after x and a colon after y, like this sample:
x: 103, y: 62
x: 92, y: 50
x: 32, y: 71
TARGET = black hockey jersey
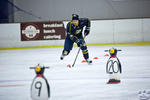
x: 76, y: 30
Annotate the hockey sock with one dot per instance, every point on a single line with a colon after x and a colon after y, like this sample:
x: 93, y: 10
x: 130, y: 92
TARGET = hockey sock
x: 85, y: 54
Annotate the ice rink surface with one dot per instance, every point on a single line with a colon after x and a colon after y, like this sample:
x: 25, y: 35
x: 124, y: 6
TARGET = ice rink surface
x: 83, y: 82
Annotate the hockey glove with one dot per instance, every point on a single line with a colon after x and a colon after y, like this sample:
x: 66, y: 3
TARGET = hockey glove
x: 73, y: 38
x: 87, y: 31
x: 80, y: 42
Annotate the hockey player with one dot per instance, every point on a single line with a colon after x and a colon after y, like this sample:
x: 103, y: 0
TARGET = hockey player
x: 74, y: 34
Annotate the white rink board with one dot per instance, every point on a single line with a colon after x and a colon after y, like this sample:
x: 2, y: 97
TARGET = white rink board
x: 11, y: 37
x: 146, y: 29
x: 128, y: 30
x: 102, y: 31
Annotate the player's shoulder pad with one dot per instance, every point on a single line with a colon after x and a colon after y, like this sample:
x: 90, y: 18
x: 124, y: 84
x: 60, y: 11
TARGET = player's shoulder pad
x: 69, y: 23
x: 83, y: 19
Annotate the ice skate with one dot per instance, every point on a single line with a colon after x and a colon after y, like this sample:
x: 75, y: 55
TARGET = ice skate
x: 62, y: 57
x: 89, y: 61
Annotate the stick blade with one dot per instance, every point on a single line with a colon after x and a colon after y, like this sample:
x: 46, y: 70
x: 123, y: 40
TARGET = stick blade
x: 72, y: 65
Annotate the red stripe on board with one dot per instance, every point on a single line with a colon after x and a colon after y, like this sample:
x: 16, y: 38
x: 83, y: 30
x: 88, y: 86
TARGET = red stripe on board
x: 15, y: 85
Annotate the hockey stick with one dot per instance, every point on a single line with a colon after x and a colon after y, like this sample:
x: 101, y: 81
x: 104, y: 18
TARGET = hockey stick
x: 76, y: 58
x: 77, y: 55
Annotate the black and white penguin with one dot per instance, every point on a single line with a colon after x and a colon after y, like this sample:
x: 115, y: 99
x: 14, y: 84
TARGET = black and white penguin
x: 40, y: 89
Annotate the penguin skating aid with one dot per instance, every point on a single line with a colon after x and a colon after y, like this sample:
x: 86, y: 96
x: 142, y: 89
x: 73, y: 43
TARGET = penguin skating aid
x: 40, y: 89
x: 113, y: 66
